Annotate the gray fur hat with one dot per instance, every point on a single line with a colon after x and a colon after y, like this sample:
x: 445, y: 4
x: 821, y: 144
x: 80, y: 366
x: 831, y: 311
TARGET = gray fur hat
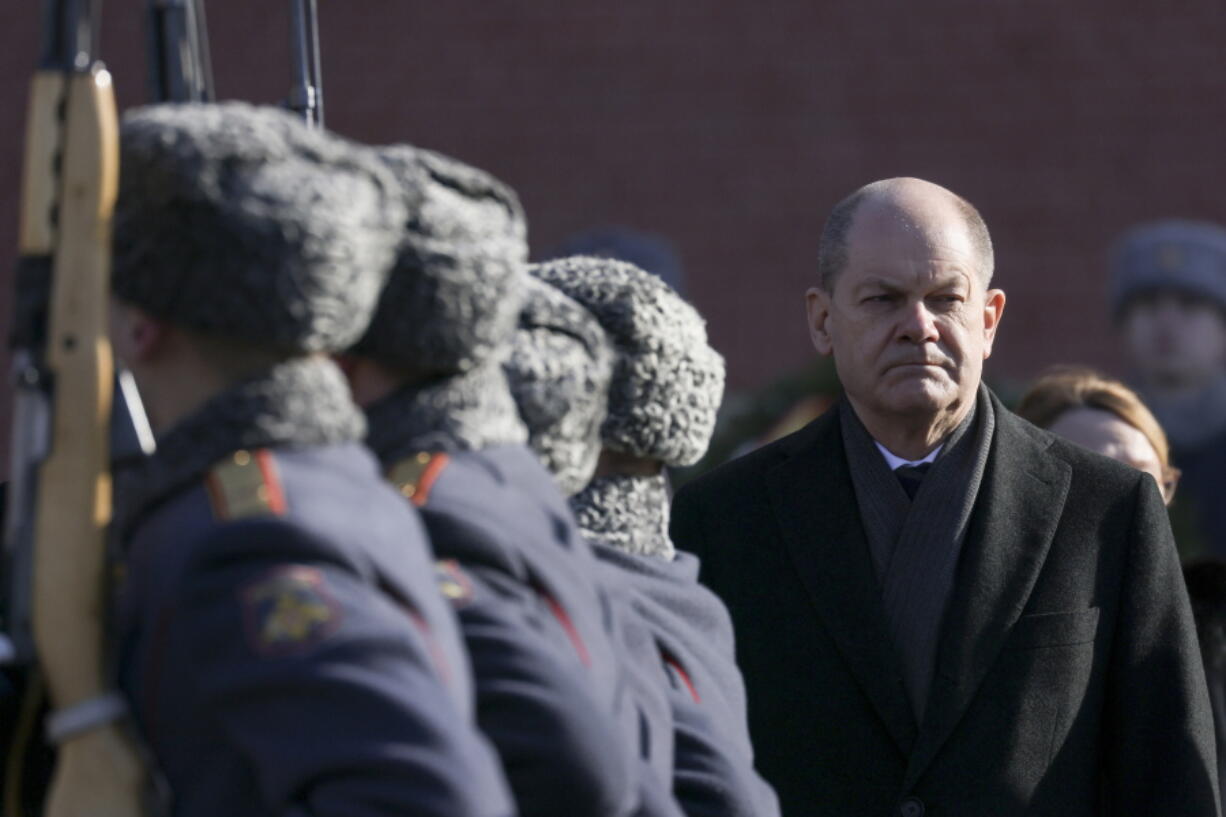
x: 1186, y: 256
x: 240, y: 221
x: 456, y: 287
x: 667, y: 381
x: 559, y: 370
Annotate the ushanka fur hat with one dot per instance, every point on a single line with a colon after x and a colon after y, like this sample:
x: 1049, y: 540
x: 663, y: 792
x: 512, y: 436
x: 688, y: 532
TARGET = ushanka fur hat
x: 558, y: 370
x: 1173, y: 255
x: 667, y: 381
x: 239, y: 221
x: 454, y: 293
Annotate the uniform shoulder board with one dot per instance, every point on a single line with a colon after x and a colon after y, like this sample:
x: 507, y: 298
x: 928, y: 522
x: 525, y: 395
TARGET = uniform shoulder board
x: 453, y: 582
x: 414, y: 475
x: 246, y: 484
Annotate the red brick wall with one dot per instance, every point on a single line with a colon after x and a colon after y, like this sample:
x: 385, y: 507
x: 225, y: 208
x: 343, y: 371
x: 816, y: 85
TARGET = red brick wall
x: 733, y: 126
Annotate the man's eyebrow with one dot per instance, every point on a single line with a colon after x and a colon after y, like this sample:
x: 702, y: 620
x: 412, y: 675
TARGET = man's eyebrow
x: 878, y: 284
x: 948, y: 280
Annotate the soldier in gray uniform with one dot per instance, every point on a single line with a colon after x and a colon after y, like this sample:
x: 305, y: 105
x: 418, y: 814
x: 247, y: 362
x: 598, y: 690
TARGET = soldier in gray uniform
x: 540, y: 633
x: 665, y: 388
x: 281, y: 637
x: 1168, y: 298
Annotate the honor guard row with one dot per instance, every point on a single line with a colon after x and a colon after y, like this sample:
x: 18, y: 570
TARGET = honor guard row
x: 351, y: 586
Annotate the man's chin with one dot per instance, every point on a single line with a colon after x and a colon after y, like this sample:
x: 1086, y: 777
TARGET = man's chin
x: 917, y: 399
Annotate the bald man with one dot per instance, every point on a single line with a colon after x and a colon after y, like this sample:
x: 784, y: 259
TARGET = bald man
x: 940, y: 609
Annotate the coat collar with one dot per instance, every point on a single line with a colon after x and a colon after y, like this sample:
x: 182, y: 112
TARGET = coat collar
x: 1015, y: 518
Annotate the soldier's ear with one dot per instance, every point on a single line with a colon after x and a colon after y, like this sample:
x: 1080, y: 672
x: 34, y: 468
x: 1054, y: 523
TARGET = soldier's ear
x: 136, y: 336
x: 348, y: 364
x: 817, y: 306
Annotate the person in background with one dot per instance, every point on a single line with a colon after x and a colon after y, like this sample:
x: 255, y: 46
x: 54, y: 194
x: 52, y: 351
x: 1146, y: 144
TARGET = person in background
x: 1168, y: 299
x: 658, y: 410
x: 1104, y: 416
x: 539, y: 629
x: 281, y: 639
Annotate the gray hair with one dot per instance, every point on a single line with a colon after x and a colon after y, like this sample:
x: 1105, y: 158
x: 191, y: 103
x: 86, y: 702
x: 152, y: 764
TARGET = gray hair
x: 832, y: 251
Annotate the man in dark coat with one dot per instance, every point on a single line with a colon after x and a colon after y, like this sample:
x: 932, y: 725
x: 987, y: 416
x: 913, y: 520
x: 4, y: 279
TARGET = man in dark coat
x: 281, y: 637
x: 940, y: 609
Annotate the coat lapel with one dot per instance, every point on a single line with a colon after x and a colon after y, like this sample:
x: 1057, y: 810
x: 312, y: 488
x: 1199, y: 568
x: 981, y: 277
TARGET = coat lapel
x: 1015, y: 518
x: 814, y: 502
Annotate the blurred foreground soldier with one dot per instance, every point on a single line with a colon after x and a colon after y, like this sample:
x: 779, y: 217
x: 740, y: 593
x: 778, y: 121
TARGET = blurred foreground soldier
x: 940, y: 608
x: 282, y: 638
x: 665, y: 388
x: 444, y: 426
x: 1168, y: 296
x: 558, y: 370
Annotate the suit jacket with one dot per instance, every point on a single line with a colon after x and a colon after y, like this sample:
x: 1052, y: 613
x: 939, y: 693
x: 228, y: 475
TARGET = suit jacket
x: 1068, y: 679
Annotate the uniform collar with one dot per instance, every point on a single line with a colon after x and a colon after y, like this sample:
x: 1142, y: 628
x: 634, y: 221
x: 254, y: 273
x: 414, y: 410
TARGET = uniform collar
x: 467, y: 412
x: 297, y: 403
x: 626, y: 513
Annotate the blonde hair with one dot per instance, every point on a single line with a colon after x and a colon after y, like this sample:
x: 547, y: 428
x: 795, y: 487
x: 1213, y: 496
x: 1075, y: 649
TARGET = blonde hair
x: 1067, y: 388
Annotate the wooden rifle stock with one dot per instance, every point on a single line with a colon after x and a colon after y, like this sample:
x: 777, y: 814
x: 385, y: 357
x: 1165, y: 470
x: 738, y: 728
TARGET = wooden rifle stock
x: 64, y: 364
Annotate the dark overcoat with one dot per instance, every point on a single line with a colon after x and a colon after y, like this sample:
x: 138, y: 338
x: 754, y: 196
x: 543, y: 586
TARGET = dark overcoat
x: 1068, y: 680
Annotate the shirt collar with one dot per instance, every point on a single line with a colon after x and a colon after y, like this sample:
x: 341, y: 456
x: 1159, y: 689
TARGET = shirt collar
x: 896, y: 462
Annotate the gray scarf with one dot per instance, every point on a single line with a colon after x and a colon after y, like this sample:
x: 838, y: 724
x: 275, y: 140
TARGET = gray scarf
x: 626, y: 513
x: 915, y: 543
x: 300, y: 402
x: 466, y: 412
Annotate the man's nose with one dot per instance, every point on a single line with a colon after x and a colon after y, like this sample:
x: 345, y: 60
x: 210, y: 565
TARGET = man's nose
x: 918, y: 325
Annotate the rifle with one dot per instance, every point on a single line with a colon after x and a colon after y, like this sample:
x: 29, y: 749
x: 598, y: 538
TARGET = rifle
x: 179, y: 66
x: 306, y: 95
x: 60, y: 490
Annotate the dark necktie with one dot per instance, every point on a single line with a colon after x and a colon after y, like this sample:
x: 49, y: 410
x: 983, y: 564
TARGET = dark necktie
x: 910, y: 477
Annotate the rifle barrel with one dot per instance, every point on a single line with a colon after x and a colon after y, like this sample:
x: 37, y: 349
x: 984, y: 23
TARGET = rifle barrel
x: 179, y: 66
x: 306, y: 92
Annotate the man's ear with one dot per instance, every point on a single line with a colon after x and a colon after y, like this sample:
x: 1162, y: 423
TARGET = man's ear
x: 993, y: 309
x: 137, y: 336
x: 817, y: 305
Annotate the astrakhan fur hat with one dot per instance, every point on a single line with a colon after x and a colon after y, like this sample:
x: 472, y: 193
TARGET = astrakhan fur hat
x: 559, y: 370
x: 455, y: 291
x: 239, y: 221
x: 667, y: 381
